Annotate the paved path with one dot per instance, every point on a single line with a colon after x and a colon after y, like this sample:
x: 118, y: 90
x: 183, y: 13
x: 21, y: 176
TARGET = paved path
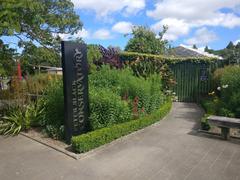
x: 170, y: 150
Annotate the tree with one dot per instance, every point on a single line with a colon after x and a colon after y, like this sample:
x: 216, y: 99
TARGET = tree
x: 238, y: 46
x: 146, y: 41
x: 35, y: 56
x: 93, y: 56
x: 38, y: 20
x: 206, y: 49
x: 230, y: 45
x: 194, y: 46
x: 7, y: 63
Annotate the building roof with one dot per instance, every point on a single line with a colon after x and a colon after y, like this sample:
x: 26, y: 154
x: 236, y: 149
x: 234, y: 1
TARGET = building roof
x: 186, y: 51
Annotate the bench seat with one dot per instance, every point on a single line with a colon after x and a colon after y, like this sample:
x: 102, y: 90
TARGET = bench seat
x: 225, y: 123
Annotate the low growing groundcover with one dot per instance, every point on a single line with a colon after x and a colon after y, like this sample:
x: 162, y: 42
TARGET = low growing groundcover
x: 94, y: 139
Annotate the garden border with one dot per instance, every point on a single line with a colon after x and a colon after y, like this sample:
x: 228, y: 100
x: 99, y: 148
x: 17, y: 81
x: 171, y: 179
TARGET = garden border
x: 78, y: 156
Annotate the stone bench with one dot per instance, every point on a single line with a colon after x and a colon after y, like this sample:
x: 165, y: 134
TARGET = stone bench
x: 225, y: 123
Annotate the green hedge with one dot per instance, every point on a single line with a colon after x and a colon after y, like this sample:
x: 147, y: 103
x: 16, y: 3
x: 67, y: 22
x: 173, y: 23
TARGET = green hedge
x: 86, y: 142
x: 133, y: 56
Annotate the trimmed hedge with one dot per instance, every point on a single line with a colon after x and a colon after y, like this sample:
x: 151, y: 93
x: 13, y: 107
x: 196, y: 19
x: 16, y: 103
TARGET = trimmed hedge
x: 94, y: 139
x: 133, y: 56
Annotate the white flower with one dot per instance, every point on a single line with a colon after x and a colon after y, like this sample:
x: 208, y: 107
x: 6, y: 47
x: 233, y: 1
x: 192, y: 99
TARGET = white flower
x: 174, y: 93
x: 168, y: 91
x: 225, y: 86
x: 219, y: 88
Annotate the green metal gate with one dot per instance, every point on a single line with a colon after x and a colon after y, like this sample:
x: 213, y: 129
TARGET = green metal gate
x: 193, y: 79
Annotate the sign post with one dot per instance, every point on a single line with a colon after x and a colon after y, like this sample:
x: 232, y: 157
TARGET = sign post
x: 75, y: 82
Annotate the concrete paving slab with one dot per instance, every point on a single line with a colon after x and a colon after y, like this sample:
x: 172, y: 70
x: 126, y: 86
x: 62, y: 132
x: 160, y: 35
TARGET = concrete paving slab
x: 169, y: 150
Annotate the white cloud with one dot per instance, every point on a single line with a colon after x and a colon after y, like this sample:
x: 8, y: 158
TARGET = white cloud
x: 104, y: 8
x: 182, y: 16
x: 236, y: 42
x: 80, y: 34
x: 102, y: 34
x: 202, y: 37
x: 176, y: 28
x: 123, y: 27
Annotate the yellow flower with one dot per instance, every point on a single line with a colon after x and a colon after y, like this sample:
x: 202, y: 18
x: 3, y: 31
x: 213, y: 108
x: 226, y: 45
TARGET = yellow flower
x: 211, y: 93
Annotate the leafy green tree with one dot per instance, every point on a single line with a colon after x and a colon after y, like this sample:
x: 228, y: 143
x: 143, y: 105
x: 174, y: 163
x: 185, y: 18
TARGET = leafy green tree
x: 35, y: 56
x: 231, y: 53
x: 230, y: 45
x: 38, y: 20
x: 206, y: 49
x: 238, y: 46
x: 194, y: 46
x: 93, y: 55
x: 7, y: 63
x: 144, y: 40
x: 37, y: 23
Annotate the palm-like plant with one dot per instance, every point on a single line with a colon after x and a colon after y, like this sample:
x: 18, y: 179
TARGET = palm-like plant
x: 20, y: 119
x: 14, y: 123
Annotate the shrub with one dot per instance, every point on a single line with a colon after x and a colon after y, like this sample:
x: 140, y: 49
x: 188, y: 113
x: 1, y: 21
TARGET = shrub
x: 217, y: 77
x: 112, y: 94
x: 5, y: 94
x: 128, y: 86
x: 37, y: 83
x: 204, y: 123
x: 16, y: 119
x: 229, y: 85
x: 91, y: 140
x: 211, y: 105
x: 107, y: 108
x: 53, y: 114
x: 146, y: 41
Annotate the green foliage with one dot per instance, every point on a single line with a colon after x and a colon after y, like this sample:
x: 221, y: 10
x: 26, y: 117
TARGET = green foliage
x: 231, y: 95
x: 53, y: 103
x: 147, y: 64
x: 17, y: 119
x: 14, y: 123
x: 35, y: 56
x: 36, y: 112
x: 131, y: 57
x: 128, y: 86
x: 5, y: 94
x: 230, y: 45
x: 204, y: 123
x: 91, y: 140
x: 107, y: 108
x: 231, y: 53
x: 93, y: 55
x: 7, y: 64
x: 38, y: 20
x: 211, y: 105
x: 226, y: 101
x: 36, y: 84
x: 206, y: 49
x: 112, y: 94
x: 144, y: 40
x: 194, y: 46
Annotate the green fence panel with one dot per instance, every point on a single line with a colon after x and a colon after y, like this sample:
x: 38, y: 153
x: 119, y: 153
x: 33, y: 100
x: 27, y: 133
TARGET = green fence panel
x: 194, y: 79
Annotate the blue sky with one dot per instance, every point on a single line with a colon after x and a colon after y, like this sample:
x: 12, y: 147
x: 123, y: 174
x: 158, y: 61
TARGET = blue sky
x: 201, y: 22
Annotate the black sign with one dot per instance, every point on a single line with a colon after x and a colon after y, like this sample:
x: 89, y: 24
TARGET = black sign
x: 75, y: 80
